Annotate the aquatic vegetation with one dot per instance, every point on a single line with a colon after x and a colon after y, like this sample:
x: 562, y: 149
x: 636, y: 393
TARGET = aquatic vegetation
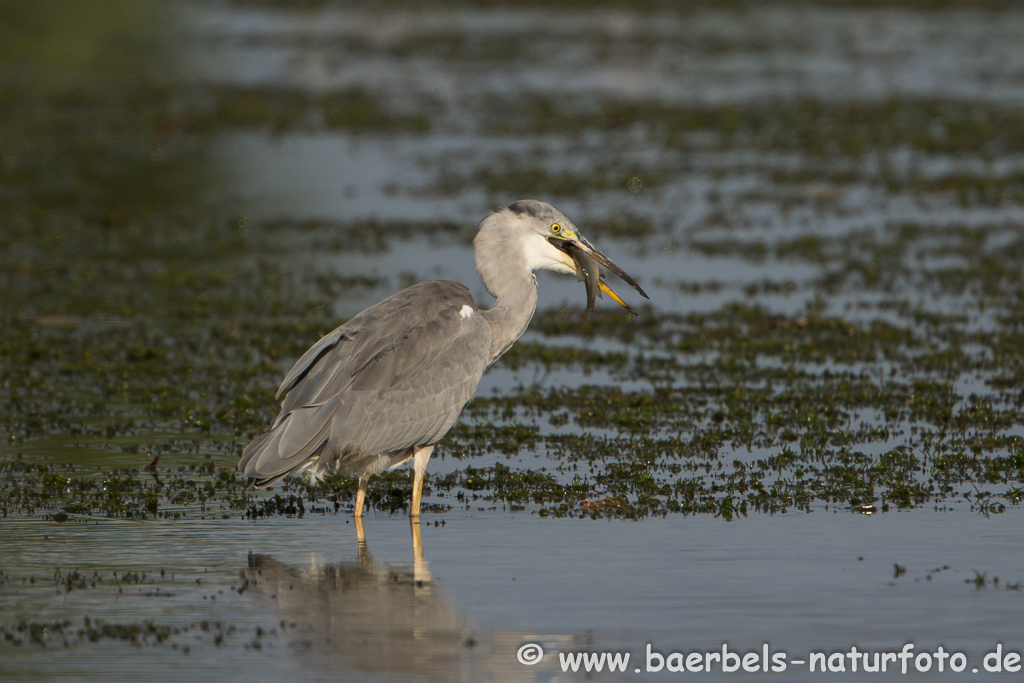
x: 845, y: 354
x: 825, y: 208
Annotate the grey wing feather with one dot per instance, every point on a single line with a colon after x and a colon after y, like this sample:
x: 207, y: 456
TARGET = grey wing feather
x: 310, y: 357
x: 393, y: 378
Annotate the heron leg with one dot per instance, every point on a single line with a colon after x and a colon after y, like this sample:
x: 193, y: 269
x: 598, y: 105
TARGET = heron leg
x: 420, y: 566
x: 364, y: 552
x: 361, y: 495
x: 419, y: 466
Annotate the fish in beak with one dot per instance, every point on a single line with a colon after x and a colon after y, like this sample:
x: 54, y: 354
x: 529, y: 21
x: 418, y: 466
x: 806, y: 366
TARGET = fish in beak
x: 586, y: 257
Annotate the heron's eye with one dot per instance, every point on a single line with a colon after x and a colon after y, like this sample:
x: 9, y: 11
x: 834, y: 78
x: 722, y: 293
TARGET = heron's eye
x: 556, y: 228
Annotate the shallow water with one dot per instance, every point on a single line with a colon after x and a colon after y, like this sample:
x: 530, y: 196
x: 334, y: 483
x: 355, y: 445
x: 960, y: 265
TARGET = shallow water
x: 823, y: 201
x: 800, y: 583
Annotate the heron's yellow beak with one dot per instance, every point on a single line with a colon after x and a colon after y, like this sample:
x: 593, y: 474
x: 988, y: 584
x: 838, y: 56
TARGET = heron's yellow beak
x: 615, y: 297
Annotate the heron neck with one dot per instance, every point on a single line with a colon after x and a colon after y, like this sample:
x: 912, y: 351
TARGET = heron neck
x: 514, y: 305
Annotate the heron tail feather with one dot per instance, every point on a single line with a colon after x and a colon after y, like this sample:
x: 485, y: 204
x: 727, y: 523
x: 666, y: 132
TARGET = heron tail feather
x: 297, y: 442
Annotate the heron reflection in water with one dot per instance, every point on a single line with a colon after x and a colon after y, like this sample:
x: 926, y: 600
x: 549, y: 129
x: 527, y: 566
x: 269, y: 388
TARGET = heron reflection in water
x: 386, y: 386
x: 381, y: 618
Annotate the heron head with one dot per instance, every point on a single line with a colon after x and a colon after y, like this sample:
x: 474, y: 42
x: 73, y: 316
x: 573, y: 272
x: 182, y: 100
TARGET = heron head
x: 551, y: 241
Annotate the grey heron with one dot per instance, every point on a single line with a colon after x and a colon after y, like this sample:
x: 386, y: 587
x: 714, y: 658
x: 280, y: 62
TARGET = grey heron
x: 387, y: 385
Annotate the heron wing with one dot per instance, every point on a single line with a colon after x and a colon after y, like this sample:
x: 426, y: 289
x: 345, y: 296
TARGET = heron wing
x: 393, y: 378
x: 310, y: 358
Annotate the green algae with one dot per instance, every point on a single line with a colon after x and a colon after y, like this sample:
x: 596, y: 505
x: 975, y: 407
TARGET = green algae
x: 138, y: 323
x: 727, y: 402
x: 277, y: 110
x: 814, y: 128
x: 515, y: 180
x: 147, y: 633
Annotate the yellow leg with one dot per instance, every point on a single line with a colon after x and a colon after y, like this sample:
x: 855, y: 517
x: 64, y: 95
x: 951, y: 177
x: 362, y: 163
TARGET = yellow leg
x: 419, y: 466
x: 360, y: 536
x: 421, y: 568
x: 361, y: 496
